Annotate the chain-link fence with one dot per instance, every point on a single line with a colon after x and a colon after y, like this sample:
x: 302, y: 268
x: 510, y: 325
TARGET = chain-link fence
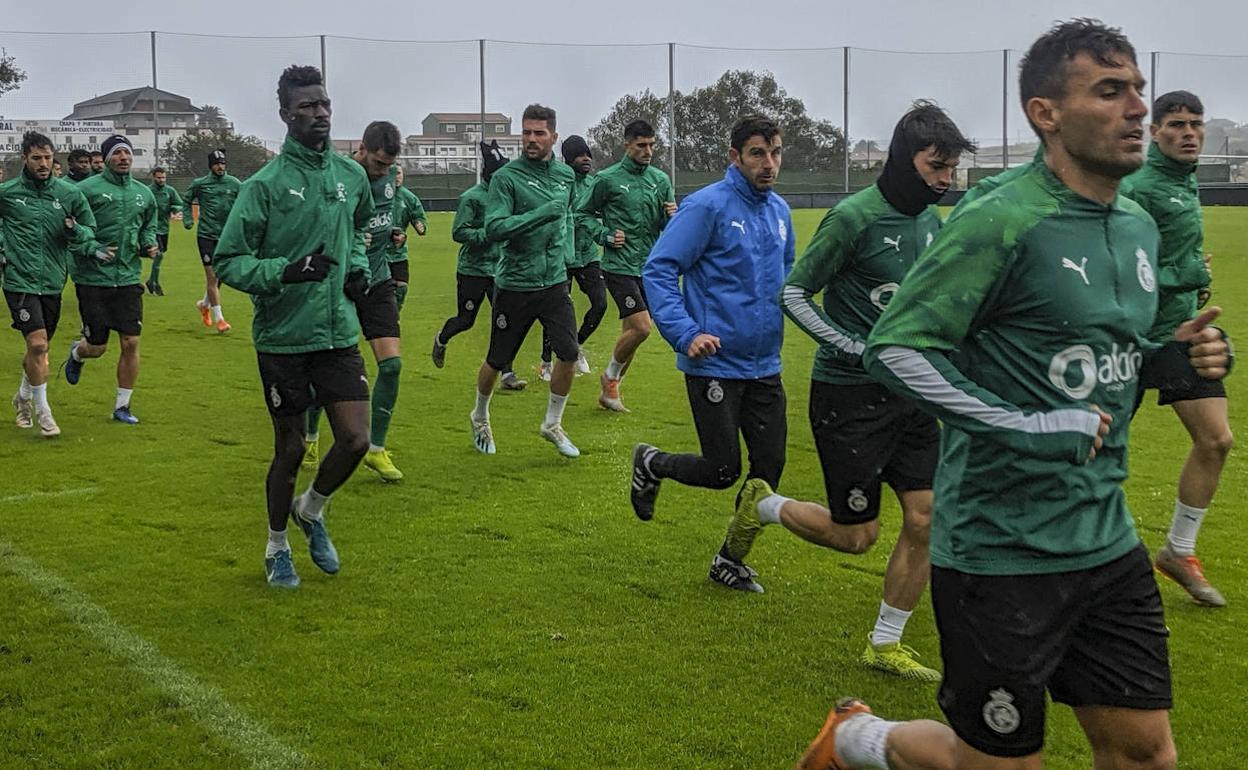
x: 178, y: 96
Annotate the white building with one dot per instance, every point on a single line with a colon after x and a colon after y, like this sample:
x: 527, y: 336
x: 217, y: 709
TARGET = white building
x: 447, y: 143
x: 142, y: 114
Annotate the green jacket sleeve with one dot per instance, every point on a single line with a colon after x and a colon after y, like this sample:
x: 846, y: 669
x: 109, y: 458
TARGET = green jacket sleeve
x: 359, y: 251
x: 82, y: 240
x: 415, y: 210
x: 463, y: 230
x: 175, y: 201
x: 237, y: 259
x: 188, y: 216
x: 930, y: 316
x: 830, y: 251
x: 501, y: 223
x: 589, y: 213
x: 147, y: 227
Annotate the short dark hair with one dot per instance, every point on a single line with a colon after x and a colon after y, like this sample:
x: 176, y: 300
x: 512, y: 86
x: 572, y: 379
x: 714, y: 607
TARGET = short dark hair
x: 754, y: 125
x: 382, y: 135
x: 96, y: 152
x: 158, y: 170
x: 77, y: 153
x: 1043, y: 69
x: 927, y: 125
x: 637, y: 130
x: 33, y: 139
x: 296, y: 76
x: 538, y: 112
x: 1174, y: 102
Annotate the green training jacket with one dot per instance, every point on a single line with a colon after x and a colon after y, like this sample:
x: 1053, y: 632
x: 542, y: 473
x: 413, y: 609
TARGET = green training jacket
x: 858, y: 257
x: 627, y: 196
x: 478, y: 255
x: 586, y: 250
x: 1025, y: 311
x: 990, y: 183
x: 408, y: 210
x: 125, y: 217
x: 216, y: 196
x: 385, y: 192
x: 168, y: 203
x: 301, y: 201
x: 1167, y: 190
x: 529, y: 211
x: 32, y: 224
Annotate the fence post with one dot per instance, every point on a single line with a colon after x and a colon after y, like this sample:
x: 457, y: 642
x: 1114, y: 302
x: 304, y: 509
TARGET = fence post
x: 481, y: 72
x: 324, y: 72
x: 1005, y: 109
x: 155, y: 108
x: 671, y: 113
x: 1152, y: 79
x: 845, y: 116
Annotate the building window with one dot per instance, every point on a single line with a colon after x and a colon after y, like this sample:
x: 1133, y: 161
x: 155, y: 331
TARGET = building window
x: 164, y: 132
x: 449, y: 128
x: 132, y: 132
x: 499, y: 128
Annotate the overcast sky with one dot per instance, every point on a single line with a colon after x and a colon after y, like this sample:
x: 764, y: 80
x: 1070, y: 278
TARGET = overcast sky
x: 403, y: 82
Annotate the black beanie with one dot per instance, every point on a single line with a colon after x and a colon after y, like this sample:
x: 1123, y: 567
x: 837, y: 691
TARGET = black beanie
x: 112, y: 143
x: 216, y: 156
x: 492, y: 159
x: 574, y: 147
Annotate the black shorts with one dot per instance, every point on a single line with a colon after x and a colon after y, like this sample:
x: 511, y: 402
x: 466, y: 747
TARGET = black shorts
x: 723, y: 409
x: 110, y: 308
x: 865, y: 435
x: 293, y: 382
x: 206, y: 247
x: 628, y: 293
x: 1093, y: 637
x: 1170, y: 373
x: 162, y: 242
x: 514, y: 314
x: 32, y: 312
x: 590, y: 276
x: 379, y: 312
x: 400, y: 271
x: 471, y: 290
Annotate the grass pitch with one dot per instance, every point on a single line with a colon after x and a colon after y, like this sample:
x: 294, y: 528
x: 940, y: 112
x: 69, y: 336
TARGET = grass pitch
x: 504, y: 611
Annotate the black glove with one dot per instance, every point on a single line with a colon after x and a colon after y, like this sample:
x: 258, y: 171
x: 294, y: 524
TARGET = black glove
x: 314, y: 267
x: 356, y: 287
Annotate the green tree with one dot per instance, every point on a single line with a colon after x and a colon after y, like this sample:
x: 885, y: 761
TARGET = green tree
x: 211, y: 116
x: 704, y: 120
x: 188, y: 155
x: 11, y: 76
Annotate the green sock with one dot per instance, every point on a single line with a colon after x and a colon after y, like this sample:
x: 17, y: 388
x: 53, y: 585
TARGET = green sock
x: 400, y: 293
x: 313, y: 425
x: 155, y: 276
x: 385, y: 394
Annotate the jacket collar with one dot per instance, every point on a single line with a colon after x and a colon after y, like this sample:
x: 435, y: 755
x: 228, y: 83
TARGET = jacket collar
x: 737, y: 181
x: 632, y: 166
x: 121, y: 180
x: 305, y: 156
x: 539, y: 166
x: 34, y: 184
x: 1175, y: 169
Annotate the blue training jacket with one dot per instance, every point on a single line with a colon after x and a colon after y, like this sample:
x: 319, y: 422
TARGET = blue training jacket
x: 734, y: 246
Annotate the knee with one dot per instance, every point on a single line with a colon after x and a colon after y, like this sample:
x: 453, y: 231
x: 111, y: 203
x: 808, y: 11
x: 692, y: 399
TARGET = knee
x: 1217, y: 444
x: 859, y: 541
x: 354, y: 443
x: 129, y: 346
x: 288, y: 451
x: 390, y: 368
x: 1159, y: 755
x: 917, y: 526
x: 37, y: 349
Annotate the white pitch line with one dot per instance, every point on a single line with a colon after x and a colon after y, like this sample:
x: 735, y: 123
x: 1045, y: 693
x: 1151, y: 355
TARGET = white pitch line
x: 205, y: 703
x: 40, y: 495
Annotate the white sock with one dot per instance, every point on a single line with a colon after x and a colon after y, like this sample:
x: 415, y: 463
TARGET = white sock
x: 216, y: 313
x: 890, y: 625
x: 769, y: 508
x: 312, y: 439
x: 123, y: 397
x: 613, y: 369
x: 481, y: 412
x: 554, y: 409
x: 73, y: 352
x: 1184, y: 527
x: 312, y: 505
x: 862, y: 741
x: 374, y: 448
x: 204, y: 301
x: 23, y: 390
x: 277, y: 542
x: 40, y: 394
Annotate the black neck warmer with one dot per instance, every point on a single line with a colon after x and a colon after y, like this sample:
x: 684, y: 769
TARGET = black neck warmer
x: 900, y: 183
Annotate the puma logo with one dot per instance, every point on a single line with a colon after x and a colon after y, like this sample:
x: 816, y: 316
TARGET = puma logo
x: 739, y: 225
x: 107, y: 195
x: 307, y: 265
x: 1176, y: 200
x: 1080, y: 268
x: 298, y: 193
x: 894, y: 242
x: 531, y: 183
x: 625, y: 187
x: 21, y: 201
